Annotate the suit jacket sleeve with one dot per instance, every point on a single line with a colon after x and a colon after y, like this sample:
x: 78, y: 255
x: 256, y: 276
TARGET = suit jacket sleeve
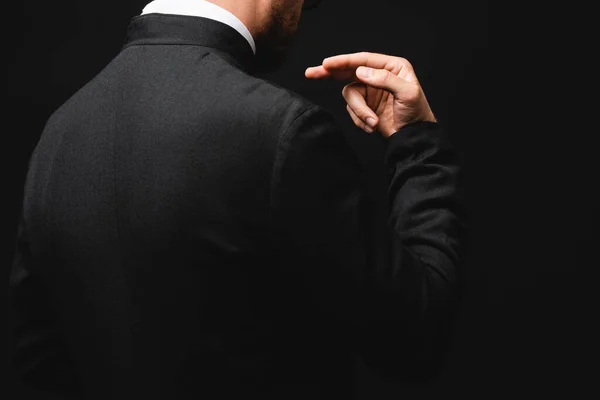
x: 396, y: 297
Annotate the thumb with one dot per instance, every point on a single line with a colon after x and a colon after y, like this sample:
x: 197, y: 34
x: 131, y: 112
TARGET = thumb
x: 381, y: 79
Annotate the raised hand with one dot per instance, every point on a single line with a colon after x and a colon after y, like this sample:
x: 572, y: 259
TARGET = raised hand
x: 386, y: 100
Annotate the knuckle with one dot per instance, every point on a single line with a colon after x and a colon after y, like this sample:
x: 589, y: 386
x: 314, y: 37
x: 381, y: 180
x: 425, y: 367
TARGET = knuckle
x: 413, y: 92
x: 403, y: 62
x: 345, y: 90
x: 350, y: 92
x: 347, y: 96
x: 395, y: 66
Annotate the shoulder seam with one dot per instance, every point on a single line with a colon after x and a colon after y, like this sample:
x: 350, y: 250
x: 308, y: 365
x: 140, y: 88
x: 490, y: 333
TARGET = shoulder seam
x: 272, y: 178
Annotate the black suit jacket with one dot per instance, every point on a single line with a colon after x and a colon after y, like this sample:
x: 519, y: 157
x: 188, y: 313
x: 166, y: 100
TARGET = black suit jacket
x: 191, y: 231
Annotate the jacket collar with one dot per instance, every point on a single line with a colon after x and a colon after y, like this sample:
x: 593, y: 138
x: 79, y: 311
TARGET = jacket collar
x: 155, y: 28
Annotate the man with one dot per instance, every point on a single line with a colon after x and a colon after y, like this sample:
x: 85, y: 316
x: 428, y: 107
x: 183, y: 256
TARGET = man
x: 191, y: 231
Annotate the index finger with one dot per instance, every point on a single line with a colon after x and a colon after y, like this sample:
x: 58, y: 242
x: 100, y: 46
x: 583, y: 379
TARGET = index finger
x: 320, y: 72
x: 355, y: 60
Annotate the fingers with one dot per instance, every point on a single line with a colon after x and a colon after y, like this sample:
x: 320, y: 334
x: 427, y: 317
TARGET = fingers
x: 344, y: 66
x: 350, y: 62
x: 357, y: 121
x: 364, y: 117
x: 355, y: 60
x: 384, y: 79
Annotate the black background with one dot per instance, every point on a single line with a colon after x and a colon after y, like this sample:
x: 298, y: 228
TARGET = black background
x: 524, y: 325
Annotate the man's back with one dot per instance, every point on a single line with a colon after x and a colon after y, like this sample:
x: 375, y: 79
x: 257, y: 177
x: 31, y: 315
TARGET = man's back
x: 191, y: 230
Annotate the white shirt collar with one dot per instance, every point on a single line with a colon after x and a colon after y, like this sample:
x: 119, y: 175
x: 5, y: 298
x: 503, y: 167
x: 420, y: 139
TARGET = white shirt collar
x: 200, y: 8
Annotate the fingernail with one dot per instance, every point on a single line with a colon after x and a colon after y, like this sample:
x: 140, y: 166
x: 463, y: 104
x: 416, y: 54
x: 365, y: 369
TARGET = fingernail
x: 371, y: 122
x: 368, y: 129
x: 364, y: 72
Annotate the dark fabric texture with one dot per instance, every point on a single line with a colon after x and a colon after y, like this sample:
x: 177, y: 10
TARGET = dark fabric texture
x: 191, y: 231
